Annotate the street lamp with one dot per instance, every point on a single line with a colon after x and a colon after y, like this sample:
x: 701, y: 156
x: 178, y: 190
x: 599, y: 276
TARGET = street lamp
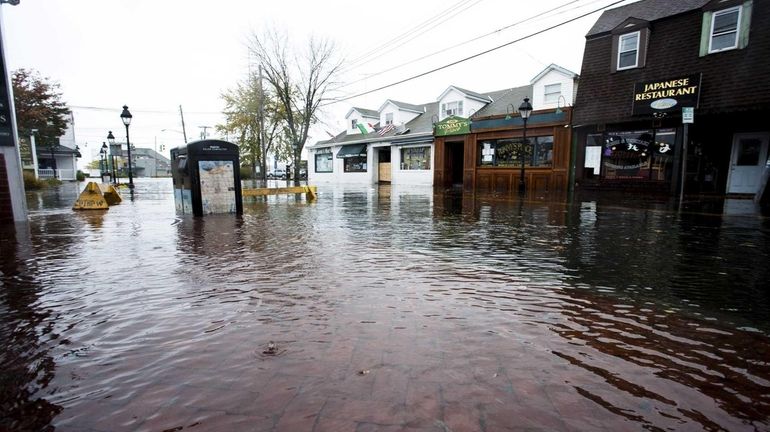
x: 103, y: 160
x: 111, y: 140
x: 126, y: 117
x: 525, y: 109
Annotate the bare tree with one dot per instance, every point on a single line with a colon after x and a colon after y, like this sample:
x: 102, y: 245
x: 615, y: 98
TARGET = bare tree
x: 299, y: 81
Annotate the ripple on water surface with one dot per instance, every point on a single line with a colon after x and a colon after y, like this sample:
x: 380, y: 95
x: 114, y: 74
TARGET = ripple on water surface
x: 383, y: 307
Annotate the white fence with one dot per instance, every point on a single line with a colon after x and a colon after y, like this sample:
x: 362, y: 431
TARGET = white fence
x: 61, y: 174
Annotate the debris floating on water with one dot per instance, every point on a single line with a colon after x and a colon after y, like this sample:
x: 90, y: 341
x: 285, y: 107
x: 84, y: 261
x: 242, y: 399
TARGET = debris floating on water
x: 270, y: 350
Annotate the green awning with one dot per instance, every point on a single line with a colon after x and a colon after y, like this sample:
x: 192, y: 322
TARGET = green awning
x: 353, y: 150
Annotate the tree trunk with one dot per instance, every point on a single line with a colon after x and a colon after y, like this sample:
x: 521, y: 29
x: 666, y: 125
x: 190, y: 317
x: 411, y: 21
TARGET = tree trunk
x: 296, y: 164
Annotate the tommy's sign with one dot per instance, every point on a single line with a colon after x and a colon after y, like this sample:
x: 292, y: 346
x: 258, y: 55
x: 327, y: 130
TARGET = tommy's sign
x: 668, y: 95
x: 452, y: 125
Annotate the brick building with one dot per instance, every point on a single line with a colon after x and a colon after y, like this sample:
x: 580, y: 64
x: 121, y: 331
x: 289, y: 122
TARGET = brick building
x: 643, y: 64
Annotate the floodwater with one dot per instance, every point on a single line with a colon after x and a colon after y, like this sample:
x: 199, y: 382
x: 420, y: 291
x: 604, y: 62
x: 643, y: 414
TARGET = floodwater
x: 383, y: 309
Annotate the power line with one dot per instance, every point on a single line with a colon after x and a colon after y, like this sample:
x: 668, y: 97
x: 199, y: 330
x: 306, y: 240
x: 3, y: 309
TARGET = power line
x: 406, y: 33
x: 174, y: 112
x: 476, y: 55
x: 464, y: 43
x: 421, y: 32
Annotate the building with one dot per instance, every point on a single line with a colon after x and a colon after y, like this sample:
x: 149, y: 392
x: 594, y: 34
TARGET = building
x: 648, y: 63
x: 486, y: 152
x: 397, y: 143
x: 390, y: 145
x: 149, y: 163
x: 57, y: 159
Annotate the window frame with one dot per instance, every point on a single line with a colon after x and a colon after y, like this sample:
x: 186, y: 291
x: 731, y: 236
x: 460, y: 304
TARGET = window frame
x: 458, y: 106
x: 324, y: 154
x: 638, y: 34
x: 737, y: 30
x: 546, y: 93
x: 388, y: 118
x: 348, y: 161
x: 353, y: 124
x: 531, y: 154
x: 426, y: 149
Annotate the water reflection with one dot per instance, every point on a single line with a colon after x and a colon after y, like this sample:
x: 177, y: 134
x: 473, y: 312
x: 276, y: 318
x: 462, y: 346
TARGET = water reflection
x: 26, y: 365
x: 389, y: 307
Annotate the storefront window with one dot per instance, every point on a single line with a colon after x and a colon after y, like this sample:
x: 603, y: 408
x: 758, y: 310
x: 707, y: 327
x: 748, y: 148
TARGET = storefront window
x: 355, y: 164
x: 324, y: 162
x: 415, y: 158
x: 508, y: 152
x: 638, y: 155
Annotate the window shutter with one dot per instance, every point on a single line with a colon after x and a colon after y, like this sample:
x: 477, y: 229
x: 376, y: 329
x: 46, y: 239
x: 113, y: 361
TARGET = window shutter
x: 745, y: 24
x: 705, y: 33
x: 460, y: 108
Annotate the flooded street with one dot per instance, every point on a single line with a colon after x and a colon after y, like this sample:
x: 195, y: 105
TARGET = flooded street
x: 383, y: 309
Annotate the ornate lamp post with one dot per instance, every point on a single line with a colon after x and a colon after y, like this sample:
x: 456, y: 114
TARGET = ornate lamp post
x: 111, y: 140
x: 103, y: 160
x: 525, y: 109
x: 126, y: 117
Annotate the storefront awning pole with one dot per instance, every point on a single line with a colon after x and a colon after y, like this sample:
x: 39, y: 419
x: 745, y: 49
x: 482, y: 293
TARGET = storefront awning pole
x: 685, y: 138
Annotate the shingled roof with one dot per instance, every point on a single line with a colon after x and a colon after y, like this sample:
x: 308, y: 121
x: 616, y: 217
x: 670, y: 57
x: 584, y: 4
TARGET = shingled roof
x: 366, y: 112
x: 648, y: 10
x: 503, y: 98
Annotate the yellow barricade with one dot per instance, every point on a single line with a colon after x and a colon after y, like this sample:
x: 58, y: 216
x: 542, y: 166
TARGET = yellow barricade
x: 309, y: 191
x: 91, y: 198
x: 111, y: 194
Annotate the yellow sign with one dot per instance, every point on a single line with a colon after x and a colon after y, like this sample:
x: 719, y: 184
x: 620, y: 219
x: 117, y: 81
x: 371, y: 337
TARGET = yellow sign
x: 91, y: 199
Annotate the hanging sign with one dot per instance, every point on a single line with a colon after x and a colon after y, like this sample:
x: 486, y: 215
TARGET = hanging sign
x: 688, y: 115
x: 661, y: 96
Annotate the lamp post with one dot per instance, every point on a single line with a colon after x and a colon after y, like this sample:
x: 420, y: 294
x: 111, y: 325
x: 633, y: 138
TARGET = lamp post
x: 126, y: 117
x: 525, y: 109
x: 111, y: 140
x: 103, y: 160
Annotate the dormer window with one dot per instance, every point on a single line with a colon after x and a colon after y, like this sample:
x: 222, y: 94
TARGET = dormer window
x: 354, y: 124
x: 725, y: 29
x: 628, y: 51
x: 452, y: 108
x: 388, y: 118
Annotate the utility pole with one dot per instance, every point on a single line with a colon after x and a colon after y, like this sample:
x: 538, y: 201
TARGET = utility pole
x: 204, y: 135
x: 184, y: 131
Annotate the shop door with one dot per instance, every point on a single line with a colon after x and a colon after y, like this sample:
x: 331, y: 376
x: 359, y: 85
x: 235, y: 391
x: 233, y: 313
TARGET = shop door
x: 747, y: 163
x: 384, y: 167
x: 456, y: 162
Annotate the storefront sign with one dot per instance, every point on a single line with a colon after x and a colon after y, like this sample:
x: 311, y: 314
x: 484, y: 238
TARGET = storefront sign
x: 452, y: 125
x: 667, y: 95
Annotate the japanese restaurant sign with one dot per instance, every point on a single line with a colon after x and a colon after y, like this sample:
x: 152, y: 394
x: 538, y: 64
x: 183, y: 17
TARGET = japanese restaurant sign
x: 652, y: 97
x: 452, y: 125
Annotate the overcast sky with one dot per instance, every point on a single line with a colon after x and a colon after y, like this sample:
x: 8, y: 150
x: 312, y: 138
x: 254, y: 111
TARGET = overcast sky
x: 155, y: 55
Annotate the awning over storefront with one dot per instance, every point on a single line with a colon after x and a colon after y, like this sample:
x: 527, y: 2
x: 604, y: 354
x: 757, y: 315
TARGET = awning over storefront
x: 353, y: 150
x: 414, y: 140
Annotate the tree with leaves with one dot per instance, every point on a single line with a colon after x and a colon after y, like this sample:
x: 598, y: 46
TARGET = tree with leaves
x: 252, y: 115
x: 39, y: 105
x: 299, y: 81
